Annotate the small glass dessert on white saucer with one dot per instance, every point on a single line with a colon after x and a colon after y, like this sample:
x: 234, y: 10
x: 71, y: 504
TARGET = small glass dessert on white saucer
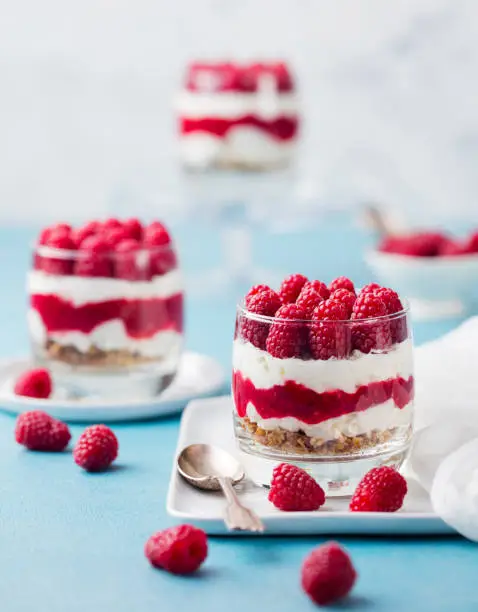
x: 106, y: 307
x: 323, y: 378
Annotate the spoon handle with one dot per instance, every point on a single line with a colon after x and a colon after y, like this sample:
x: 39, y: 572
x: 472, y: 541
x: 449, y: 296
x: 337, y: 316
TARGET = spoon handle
x: 236, y: 516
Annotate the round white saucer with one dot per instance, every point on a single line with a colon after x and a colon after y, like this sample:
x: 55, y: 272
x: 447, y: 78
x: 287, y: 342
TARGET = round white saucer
x: 198, y: 376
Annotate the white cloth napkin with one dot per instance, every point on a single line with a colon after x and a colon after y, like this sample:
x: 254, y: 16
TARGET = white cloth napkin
x: 444, y: 455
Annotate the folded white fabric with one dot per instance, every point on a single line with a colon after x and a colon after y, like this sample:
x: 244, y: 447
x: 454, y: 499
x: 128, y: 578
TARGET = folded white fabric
x: 444, y: 455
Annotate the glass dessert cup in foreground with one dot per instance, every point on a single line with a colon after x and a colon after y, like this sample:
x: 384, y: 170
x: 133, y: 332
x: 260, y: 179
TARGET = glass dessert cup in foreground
x: 106, y: 309
x: 333, y: 397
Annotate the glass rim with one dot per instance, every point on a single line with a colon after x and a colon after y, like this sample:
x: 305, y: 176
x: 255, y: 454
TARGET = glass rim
x: 242, y: 310
x: 57, y: 253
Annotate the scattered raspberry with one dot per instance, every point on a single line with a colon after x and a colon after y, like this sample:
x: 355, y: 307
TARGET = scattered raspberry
x: 58, y: 263
x: 370, y: 335
x: 96, y: 449
x: 179, y: 550
x: 308, y: 300
x: 265, y: 303
x: 93, y: 258
x: 342, y: 282
x: 288, y: 338
x: 254, y: 291
x: 291, y: 287
x: 38, y: 431
x: 382, y: 489
x: 370, y: 288
x: 80, y: 234
x: 328, y: 574
x: 129, y: 262
x: 34, y: 383
x: 133, y: 229
x: 329, y: 339
x: 318, y: 286
x: 330, y: 310
x: 293, y: 490
x: 345, y: 297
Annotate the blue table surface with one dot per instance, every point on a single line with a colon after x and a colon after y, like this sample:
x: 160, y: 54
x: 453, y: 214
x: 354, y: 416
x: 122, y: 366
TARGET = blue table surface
x: 73, y: 541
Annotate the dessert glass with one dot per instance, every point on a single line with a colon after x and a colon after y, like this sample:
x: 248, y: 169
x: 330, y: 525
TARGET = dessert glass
x: 337, y: 418
x: 110, y: 324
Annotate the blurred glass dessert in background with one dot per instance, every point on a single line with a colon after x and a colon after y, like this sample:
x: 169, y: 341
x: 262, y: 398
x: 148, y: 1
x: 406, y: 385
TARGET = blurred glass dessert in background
x: 238, y: 116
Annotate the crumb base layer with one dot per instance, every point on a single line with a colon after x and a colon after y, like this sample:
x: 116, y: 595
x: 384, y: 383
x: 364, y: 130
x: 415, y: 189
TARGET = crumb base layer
x: 94, y: 356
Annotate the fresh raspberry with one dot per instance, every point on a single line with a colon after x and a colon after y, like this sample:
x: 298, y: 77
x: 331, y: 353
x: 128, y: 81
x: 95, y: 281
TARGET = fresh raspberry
x: 329, y: 339
x: 318, y: 286
x: 114, y: 236
x: 254, y: 291
x: 308, y: 300
x: 288, y: 338
x: 382, y: 489
x: 179, y: 550
x: 87, y: 230
x: 342, y: 282
x: 291, y: 287
x: 61, y: 262
x: 96, y: 449
x: 328, y: 574
x: 93, y: 258
x: 472, y: 243
x: 130, y: 262
x: 156, y: 235
x: 293, y: 490
x: 345, y: 297
x: 398, y: 325
x: 34, y: 383
x: 451, y: 248
x: 265, y: 303
x: 370, y: 335
x: 370, y: 288
x: 111, y: 224
x: 419, y: 244
x: 330, y: 310
x: 38, y: 431
x: 133, y: 229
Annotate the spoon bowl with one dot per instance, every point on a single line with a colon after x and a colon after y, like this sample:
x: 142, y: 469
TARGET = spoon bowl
x: 203, y: 464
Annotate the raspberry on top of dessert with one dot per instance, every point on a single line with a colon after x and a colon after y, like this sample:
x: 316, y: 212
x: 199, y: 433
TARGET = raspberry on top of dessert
x: 429, y: 244
x: 233, y: 114
x: 106, y: 293
x: 322, y: 368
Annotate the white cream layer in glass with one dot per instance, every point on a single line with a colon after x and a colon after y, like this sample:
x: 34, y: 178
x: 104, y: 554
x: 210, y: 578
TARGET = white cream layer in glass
x: 232, y: 105
x: 381, y: 418
x: 242, y: 144
x: 265, y: 371
x: 108, y: 336
x: 81, y: 290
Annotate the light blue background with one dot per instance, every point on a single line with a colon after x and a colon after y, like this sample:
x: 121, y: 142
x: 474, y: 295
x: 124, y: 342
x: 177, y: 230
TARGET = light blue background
x: 73, y: 541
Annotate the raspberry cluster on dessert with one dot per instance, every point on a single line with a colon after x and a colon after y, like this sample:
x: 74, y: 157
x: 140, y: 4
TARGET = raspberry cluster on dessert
x: 323, y: 369
x: 106, y: 294
x: 429, y: 244
x: 238, y: 115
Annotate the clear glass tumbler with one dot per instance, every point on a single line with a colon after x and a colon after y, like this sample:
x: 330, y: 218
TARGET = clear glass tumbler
x: 333, y: 397
x: 107, y: 322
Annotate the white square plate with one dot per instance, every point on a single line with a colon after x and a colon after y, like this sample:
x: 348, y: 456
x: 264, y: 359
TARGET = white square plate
x: 210, y: 421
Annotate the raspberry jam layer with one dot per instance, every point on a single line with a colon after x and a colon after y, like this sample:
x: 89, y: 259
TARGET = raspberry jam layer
x: 282, y: 128
x: 142, y: 318
x: 295, y: 400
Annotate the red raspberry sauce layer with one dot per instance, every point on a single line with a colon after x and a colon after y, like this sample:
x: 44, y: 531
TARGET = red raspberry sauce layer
x: 282, y: 128
x: 141, y: 318
x: 295, y: 400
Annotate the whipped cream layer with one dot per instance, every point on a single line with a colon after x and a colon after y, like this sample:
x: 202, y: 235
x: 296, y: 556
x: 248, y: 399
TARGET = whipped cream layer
x: 108, y: 336
x: 81, y: 290
x: 265, y: 371
x: 242, y: 144
x: 379, y: 418
x: 231, y: 105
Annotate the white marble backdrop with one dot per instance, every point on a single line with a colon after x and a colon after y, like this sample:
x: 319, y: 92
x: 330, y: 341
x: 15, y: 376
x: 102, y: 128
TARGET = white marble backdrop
x: 390, y: 93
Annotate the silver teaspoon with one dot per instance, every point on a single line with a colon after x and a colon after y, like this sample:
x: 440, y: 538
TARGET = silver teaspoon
x: 210, y: 468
